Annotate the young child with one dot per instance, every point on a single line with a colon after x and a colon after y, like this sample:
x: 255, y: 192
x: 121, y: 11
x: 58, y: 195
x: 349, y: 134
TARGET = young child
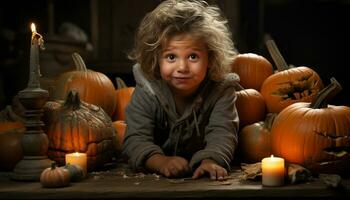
x: 182, y: 118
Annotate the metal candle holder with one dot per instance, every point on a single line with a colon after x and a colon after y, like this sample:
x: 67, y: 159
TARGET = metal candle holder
x: 35, y: 142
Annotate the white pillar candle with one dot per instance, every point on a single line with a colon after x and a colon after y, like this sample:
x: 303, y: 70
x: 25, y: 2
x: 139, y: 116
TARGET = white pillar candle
x: 77, y: 159
x: 272, y: 171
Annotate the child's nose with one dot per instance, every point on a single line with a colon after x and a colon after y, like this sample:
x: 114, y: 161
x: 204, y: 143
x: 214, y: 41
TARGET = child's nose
x: 182, y: 67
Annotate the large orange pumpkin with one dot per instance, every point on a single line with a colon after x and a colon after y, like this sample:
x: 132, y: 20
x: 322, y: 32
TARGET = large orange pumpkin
x: 93, y: 87
x: 76, y: 126
x: 252, y: 69
x: 250, y: 106
x: 289, y: 85
x: 316, y: 135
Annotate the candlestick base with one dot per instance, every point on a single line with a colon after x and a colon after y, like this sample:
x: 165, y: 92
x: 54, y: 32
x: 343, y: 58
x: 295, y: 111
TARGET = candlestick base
x: 35, y: 142
x: 30, y: 168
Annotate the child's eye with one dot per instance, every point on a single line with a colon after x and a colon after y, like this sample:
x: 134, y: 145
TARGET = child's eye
x: 170, y: 57
x: 193, y: 57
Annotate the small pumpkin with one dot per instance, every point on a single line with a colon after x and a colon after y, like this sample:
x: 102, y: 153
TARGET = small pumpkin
x: 93, y: 87
x: 54, y: 177
x: 75, y: 171
x: 315, y: 135
x: 254, y: 140
x: 288, y: 85
x: 252, y: 69
x: 250, y: 106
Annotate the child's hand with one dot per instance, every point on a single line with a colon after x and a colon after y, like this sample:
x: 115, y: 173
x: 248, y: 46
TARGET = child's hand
x: 215, y: 171
x: 174, y: 167
x: 169, y: 166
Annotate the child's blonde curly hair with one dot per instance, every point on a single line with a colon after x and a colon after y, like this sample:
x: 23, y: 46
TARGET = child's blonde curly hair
x: 174, y: 17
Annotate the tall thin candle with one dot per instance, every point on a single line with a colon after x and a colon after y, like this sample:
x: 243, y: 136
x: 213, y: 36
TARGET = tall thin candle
x: 36, y: 43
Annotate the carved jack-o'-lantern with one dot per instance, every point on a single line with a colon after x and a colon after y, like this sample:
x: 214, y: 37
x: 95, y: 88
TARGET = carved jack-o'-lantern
x: 300, y: 84
x: 315, y: 135
x: 290, y: 84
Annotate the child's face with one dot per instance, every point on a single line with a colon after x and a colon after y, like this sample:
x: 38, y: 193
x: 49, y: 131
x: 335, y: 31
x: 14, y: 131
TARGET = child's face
x: 183, y: 64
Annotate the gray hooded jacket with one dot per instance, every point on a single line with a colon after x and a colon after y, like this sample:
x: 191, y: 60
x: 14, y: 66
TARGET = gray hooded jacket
x: 207, y: 129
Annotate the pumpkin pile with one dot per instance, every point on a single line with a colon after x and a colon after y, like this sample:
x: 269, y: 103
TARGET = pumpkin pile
x: 91, y: 131
x: 292, y: 118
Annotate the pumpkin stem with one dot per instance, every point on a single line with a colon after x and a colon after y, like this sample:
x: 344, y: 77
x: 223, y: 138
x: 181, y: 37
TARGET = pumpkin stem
x: 73, y: 100
x: 120, y: 83
x: 270, y: 118
x: 53, y: 165
x: 239, y: 87
x: 276, y: 55
x: 79, y: 62
x: 325, y: 95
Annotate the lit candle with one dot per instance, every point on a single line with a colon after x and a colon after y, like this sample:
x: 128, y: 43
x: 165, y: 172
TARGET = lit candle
x: 36, y: 43
x: 272, y: 171
x: 77, y: 159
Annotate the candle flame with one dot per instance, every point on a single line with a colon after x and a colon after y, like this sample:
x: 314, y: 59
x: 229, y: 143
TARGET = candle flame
x: 32, y: 26
x: 76, y: 153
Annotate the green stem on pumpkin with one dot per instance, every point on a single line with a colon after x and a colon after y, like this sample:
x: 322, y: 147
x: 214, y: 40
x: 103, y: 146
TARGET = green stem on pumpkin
x: 73, y: 100
x: 276, y: 55
x: 53, y: 165
x: 325, y: 95
x: 79, y: 62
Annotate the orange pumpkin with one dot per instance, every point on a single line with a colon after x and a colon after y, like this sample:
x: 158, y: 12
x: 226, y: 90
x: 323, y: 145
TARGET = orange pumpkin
x: 288, y: 85
x: 123, y: 96
x: 300, y: 84
x: 54, y: 177
x: 6, y: 126
x: 93, y: 87
x: 120, y: 127
x: 254, y: 142
x: 316, y: 135
x: 252, y: 69
x: 10, y: 144
x: 76, y: 126
x: 250, y: 106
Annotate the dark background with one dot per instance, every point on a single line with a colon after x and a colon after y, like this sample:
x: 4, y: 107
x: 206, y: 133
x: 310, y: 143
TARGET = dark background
x: 312, y: 33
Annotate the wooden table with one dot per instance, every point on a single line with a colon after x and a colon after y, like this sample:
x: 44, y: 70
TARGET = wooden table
x: 121, y: 183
